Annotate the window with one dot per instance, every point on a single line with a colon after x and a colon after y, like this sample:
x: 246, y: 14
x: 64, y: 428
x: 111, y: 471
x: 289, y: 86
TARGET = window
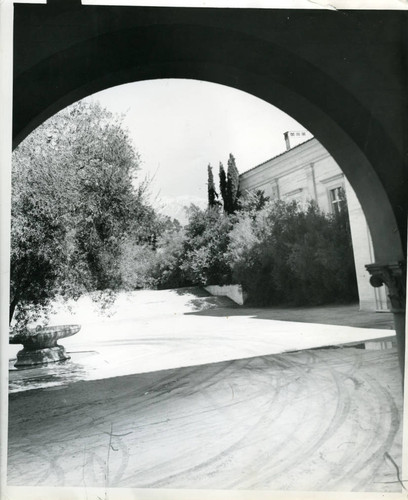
x: 337, y: 199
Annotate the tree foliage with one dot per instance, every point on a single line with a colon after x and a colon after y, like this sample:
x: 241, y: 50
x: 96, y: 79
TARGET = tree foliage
x: 253, y: 202
x: 280, y: 252
x: 81, y: 223
x: 195, y: 255
x: 170, y: 255
x: 205, y: 247
x: 150, y: 262
x: 74, y: 204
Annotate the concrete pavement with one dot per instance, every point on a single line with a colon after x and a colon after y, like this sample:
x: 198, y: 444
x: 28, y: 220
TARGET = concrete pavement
x: 322, y: 420
x: 153, y: 330
x: 169, y: 391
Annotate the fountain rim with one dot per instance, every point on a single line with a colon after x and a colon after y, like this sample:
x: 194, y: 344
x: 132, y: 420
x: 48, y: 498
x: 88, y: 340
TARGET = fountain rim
x: 59, y: 331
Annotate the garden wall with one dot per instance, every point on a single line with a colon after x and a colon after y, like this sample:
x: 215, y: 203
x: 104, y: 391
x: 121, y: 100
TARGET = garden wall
x: 233, y: 292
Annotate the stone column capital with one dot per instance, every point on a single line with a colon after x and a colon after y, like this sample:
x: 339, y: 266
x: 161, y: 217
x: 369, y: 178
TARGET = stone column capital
x: 394, y: 276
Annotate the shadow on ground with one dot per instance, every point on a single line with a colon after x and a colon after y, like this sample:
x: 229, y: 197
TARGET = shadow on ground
x: 343, y: 315
x: 324, y: 419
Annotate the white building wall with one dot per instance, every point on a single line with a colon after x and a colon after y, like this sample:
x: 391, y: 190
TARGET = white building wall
x: 308, y: 172
x: 328, y: 176
x: 374, y: 299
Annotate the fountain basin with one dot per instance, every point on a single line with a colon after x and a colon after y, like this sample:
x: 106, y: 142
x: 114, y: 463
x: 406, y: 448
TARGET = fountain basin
x: 41, y: 344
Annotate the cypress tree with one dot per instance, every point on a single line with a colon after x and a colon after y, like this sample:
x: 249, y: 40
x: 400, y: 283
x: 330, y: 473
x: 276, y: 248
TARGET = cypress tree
x: 212, y: 193
x: 224, y: 188
x: 232, y: 184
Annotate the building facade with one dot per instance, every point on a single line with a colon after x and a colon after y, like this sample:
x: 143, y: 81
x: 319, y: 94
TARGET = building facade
x: 305, y: 172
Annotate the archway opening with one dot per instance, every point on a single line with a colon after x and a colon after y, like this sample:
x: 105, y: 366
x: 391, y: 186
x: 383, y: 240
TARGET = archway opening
x: 131, y: 351
x: 249, y: 130
x: 258, y: 52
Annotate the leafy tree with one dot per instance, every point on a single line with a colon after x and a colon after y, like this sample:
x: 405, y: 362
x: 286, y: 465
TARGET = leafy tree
x: 41, y: 241
x: 196, y: 254
x: 73, y: 206
x: 149, y: 260
x: 137, y: 264
x: 169, y: 258
x: 105, y: 164
x: 205, y: 247
x: 253, y: 202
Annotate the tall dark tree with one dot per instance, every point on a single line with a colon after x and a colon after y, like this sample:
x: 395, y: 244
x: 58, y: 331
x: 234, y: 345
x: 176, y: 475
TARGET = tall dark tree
x: 224, y: 188
x: 212, y: 193
x: 229, y: 186
x: 232, y: 184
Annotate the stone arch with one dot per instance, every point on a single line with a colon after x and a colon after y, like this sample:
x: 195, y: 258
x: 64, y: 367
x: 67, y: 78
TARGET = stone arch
x: 273, y: 85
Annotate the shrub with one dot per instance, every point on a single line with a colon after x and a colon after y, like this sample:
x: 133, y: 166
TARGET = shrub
x: 136, y: 266
x: 207, y: 238
x: 288, y: 255
x: 169, y: 258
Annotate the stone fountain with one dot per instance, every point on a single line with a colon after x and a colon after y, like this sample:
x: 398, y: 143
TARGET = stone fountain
x: 40, y: 344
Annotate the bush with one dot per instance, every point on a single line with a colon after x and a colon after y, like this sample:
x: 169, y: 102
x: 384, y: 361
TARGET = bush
x: 196, y: 254
x: 281, y: 253
x: 136, y: 266
x: 289, y: 255
x: 205, y: 247
x: 169, y: 258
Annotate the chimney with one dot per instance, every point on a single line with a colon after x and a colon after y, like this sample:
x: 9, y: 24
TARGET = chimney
x: 286, y: 136
x: 295, y: 137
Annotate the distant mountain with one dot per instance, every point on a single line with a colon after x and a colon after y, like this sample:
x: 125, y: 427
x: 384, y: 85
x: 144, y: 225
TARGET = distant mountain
x: 175, y: 207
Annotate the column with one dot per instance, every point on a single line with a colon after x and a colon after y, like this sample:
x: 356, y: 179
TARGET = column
x: 394, y: 276
x: 311, y: 182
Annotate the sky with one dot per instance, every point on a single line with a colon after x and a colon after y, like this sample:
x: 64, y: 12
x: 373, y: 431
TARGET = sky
x: 180, y: 126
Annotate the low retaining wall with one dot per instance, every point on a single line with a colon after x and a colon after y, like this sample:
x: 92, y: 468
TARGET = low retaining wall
x: 233, y: 292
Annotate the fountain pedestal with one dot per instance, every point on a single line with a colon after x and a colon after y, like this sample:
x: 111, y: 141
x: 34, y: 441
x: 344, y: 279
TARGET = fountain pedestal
x: 40, y: 344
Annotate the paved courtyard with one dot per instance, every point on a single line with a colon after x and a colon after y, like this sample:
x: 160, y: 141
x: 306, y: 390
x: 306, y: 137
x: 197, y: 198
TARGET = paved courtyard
x: 168, y: 393
x: 153, y: 330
